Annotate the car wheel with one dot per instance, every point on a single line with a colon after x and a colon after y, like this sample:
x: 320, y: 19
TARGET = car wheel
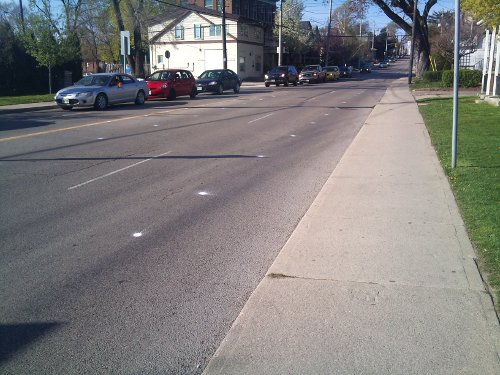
x: 194, y: 92
x: 101, y: 102
x: 277, y: 84
x: 285, y: 83
x: 236, y: 88
x: 220, y: 90
x: 67, y: 107
x: 295, y: 83
x: 267, y: 84
x: 140, y: 98
x: 172, y: 95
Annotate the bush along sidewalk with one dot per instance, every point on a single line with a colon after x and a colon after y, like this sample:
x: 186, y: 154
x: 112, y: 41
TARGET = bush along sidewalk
x: 475, y: 180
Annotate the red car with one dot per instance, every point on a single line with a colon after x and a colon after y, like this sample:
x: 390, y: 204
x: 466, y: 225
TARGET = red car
x: 171, y: 83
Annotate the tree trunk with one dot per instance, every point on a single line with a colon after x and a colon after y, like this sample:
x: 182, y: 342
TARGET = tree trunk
x: 424, y: 55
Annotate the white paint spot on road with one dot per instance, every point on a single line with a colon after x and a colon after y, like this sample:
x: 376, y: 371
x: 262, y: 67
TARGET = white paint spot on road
x: 100, y: 139
x: 313, y: 122
x: 203, y: 193
x: 292, y: 135
x: 156, y: 125
x: 137, y: 234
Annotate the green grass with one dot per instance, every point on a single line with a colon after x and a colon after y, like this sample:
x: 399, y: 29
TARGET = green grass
x: 8, y: 100
x: 476, y: 180
x: 419, y: 84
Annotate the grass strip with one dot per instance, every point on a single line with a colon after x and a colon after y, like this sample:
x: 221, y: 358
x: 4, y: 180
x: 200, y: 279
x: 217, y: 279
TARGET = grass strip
x: 9, y: 100
x: 476, y: 179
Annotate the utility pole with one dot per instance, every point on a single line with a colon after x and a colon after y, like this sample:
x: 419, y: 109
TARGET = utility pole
x: 224, y: 46
x: 328, y: 36
x: 412, y: 49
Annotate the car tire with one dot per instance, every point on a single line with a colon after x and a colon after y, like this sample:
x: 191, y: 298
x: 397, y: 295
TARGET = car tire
x: 236, y: 88
x: 220, y: 90
x: 194, y: 92
x: 267, y: 84
x: 67, y: 107
x: 172, y: 95
x: 101, y: 102
x: 277, y: 84
x: 140, y: 99
x: 285, y: 83
x: 295, y: 83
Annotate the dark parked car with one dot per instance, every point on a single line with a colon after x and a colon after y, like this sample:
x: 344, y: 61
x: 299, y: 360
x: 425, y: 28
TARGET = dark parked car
x: 312, y: 73
x: 345, y: 72
x: 102, y: 89
x: 218, y: 80
x: 365, y: 69
x: 283, y: 74
x: 171, y: 83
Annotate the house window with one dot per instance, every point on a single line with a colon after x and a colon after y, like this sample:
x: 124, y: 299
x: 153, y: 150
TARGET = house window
x: 242, y: 64
x: 179, y: 32
x: 209, y: 4
x: 219, y: 5
x: 215, y: 30
x: 258, y: 34
x: 198, y: 32
x: 160, y: 59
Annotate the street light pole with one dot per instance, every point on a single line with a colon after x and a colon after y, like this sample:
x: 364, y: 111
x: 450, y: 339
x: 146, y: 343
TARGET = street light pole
x: 456, y: 66
x: 328, y: 36
x: 412, y: 48
x: 280, y: 28
x: 224, y: 42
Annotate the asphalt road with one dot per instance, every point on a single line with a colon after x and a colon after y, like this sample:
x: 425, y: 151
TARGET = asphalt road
x: 132, y: 238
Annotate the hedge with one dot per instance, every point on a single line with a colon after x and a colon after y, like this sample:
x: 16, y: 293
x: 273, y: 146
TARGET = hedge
x: 432, y: 76
x: 466, y: 78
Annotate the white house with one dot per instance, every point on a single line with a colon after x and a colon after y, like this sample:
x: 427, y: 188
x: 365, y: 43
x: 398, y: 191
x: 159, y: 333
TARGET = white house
x: 192, y: 40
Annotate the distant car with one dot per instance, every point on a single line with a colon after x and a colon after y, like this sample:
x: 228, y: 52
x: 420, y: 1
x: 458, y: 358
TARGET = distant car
x: 332, y: 73
x: 283, y: 74
x: 312, y: 73
x: 383, y: 64
x: 345, y: 72
x: 101, y: 90
x: 365, y: 69
x: 171, y: 83
x: 218, y: 80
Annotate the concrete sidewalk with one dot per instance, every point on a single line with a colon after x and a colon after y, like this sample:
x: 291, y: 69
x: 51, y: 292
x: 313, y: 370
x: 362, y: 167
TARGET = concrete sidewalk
x: 378, y: 277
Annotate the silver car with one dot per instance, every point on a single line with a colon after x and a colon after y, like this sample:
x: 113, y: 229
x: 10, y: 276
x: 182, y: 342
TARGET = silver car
x: 103, y: 89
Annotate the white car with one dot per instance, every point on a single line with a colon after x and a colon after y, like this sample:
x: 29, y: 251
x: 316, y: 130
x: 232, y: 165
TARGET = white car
x: 101, y: 90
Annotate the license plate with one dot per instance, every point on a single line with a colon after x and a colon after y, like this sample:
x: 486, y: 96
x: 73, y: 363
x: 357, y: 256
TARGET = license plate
x: 199, y: 88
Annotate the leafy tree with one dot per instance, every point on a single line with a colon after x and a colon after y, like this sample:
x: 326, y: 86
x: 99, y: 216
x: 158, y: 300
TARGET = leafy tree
x: 295, y: 37
x: 486, y: 10
x: 401, y: 12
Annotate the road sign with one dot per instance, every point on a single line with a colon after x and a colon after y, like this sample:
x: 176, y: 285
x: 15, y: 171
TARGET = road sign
x: 167, y: 54
x: 125, y: 42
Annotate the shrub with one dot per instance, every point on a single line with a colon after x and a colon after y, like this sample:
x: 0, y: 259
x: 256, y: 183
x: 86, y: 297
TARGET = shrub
x: 432, y: 76
x: 466, y: 78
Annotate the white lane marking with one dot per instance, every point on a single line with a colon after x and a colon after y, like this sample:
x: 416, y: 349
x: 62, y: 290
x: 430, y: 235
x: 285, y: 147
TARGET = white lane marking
x: 260, y: 118
x: 344, y: 102
x: 292, y: 135
x: 261, y: 156
x: 100, y: 139
x: 117, y: 171
x: 326, y: 114
x: 155, y: 126
x: 313, y: 122
x: 137, y: 234
x: 203, y: 193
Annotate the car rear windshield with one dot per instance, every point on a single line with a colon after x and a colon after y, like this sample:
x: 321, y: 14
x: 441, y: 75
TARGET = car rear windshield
x: 161, y: 76
x: 310, y: 67
x: 94, y: 80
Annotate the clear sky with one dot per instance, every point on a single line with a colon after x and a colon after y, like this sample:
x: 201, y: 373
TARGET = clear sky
x: 316, y: 11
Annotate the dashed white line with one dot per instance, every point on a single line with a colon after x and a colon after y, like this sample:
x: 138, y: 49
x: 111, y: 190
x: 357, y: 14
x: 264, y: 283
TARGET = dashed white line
x: 260, y: 118
x: 117, y: 171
